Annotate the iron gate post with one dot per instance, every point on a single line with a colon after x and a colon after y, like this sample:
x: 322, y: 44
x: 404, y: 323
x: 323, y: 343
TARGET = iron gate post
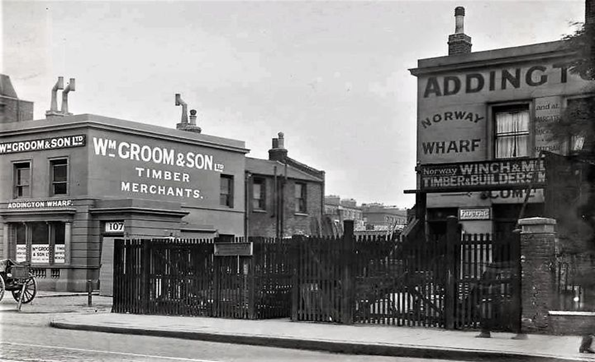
x: 348, y: 304
x: 146, y: 275
x: 294, y: 248
x: 517, y: 285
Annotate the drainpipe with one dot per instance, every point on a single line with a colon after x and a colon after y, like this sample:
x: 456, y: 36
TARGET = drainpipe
x: 247, y: 190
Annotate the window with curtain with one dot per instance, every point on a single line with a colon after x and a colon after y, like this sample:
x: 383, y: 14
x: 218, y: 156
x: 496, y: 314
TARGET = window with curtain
x: 512, y: 132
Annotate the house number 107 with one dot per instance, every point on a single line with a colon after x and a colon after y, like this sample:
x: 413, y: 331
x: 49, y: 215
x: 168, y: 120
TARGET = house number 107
x: 114, y: 227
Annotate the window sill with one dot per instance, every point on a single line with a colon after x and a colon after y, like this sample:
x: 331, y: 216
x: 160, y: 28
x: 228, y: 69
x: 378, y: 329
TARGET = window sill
x: 300, y: 214
x: 259, y: 211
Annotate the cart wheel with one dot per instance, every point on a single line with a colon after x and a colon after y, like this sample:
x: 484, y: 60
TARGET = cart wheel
x: 2, y: 287
x: 30, y: 291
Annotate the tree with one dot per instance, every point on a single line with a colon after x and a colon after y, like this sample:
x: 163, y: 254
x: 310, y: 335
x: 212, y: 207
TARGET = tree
x: 576, y: 130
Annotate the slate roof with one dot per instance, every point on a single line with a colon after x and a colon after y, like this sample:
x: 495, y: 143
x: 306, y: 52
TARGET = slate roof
x: 267, y: 168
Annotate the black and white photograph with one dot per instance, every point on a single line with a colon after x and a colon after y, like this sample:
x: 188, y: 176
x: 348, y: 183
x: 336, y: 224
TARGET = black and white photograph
x: 283, y: 181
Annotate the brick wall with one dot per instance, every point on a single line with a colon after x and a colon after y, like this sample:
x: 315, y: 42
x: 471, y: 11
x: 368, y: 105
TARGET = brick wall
x: 538, y: 274
x: 263, y: 222
x: 14, y: 110
x: 459, y: 44
x: 572, y: 323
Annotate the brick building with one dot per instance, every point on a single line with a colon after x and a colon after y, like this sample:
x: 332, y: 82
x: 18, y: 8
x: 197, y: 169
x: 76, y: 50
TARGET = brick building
x: 286, y: 197
x: 73, y: 183
x: 483, y: 127
x: 337, y: 210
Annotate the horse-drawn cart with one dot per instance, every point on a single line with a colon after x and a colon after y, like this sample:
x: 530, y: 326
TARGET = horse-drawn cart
x: 18, y: 279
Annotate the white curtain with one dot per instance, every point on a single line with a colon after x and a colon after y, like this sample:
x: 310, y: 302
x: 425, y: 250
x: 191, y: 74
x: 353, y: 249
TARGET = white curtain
x: 512, y: 134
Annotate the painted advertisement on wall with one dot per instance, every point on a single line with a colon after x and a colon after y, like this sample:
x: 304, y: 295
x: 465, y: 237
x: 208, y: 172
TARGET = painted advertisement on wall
x: 146, y: 168
x: 547, y: 111
x: 479, y: 176
x: 447, y: 134
x: 453, y: 107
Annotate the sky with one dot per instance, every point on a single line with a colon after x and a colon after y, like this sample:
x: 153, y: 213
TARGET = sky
x: 333, y: 76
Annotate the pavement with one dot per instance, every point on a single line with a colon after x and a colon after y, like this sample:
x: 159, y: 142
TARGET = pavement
x: 352, y: 339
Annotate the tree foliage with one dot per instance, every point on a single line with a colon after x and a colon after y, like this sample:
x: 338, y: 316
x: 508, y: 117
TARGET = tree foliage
x: 576, y: 130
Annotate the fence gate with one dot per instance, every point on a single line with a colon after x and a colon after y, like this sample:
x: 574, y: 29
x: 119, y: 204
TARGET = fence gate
x: 450, y: 281
x: 487, y: 282
x: 377, y: 280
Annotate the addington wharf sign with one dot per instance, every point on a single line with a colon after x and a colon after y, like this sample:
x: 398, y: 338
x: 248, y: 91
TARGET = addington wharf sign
x: 43, y: 204
x: 479, y: 176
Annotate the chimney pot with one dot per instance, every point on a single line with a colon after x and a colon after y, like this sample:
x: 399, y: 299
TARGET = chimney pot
x: 278, y: 152
x: 460, y: 20
x: 459, y: 42
x: 193, y: 116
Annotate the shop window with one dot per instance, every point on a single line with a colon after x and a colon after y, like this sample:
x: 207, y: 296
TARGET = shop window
x: 226, y: 193
x: 22, y: 180
x: 40, y: 242
x: 300, y: 198
x: 258, y: 194
x: 512, y: 132
x: 59, y: 177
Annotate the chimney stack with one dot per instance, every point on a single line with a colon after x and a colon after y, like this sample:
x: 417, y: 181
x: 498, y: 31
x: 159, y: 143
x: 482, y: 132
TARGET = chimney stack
x: 459, y: 42
x: 184, y: 125
x: 54, y: 112
x: 278, y: 152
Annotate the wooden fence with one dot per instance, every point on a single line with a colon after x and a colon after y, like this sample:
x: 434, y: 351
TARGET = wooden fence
x: 451, y: 281
x: 185, y: 277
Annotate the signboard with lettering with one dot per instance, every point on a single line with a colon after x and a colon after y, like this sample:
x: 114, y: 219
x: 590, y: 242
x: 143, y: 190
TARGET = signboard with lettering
x: 114, y: 227
x: 40, y: 253
x: 21, y: 253
x: 43, y: 204
x: 43, y: 144
x: 476, y: 213
x: 59, y: 253
x: 547, y: 112
x: 487, y: 175
x: 233, y: 249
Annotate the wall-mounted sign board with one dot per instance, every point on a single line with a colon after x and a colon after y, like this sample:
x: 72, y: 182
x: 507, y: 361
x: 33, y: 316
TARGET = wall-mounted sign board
x: 485, y: 175
x: 476, y: 213
x: 233, y: 249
